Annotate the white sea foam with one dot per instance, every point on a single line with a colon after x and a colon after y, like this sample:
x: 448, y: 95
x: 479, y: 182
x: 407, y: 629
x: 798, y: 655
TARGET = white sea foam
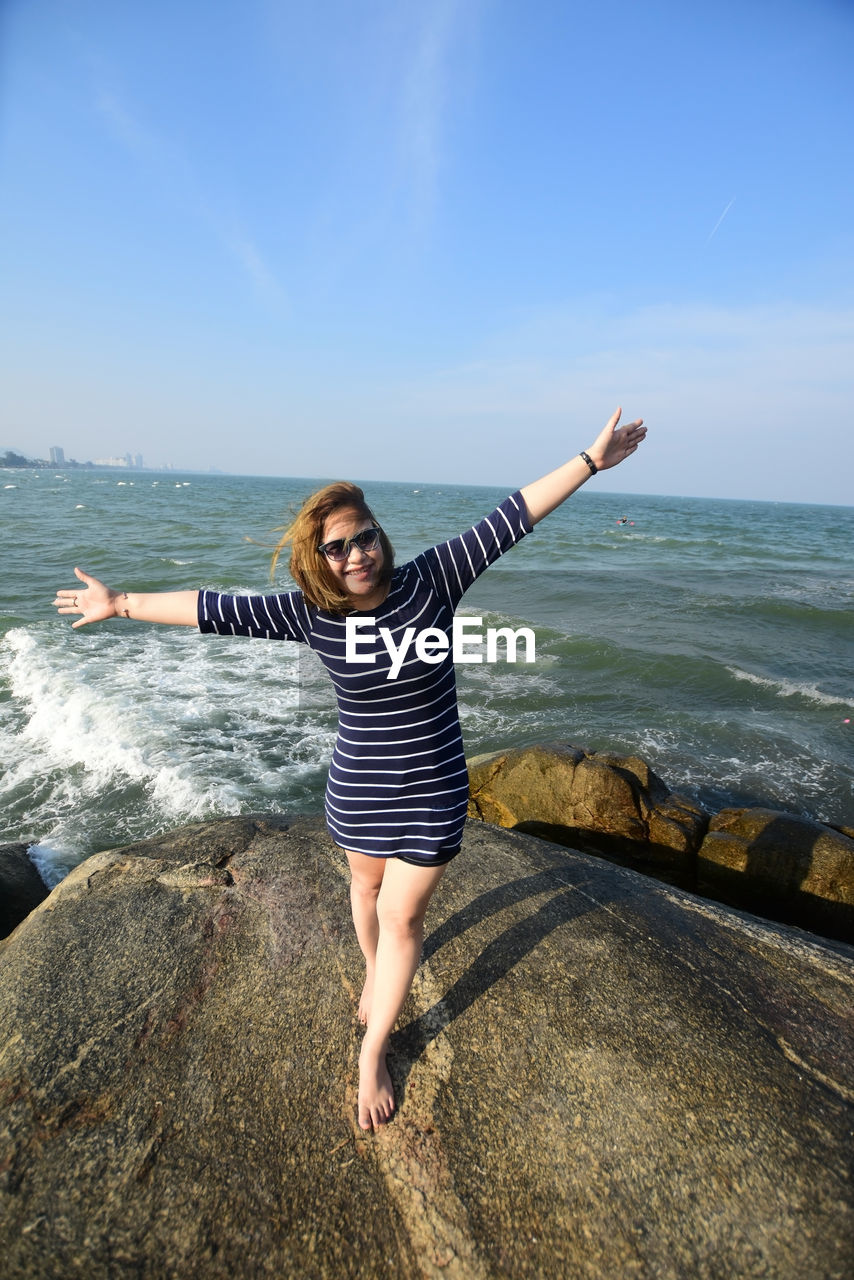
x: 770, y: 770
x: 110, y: 737
x: 53, y: 859
x: 79, y: 715
x: 792, y: 689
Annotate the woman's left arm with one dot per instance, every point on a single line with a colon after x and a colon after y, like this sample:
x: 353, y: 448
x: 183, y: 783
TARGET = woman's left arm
x: 611, y: 447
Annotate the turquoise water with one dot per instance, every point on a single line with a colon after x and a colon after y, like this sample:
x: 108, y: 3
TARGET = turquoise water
x: 715, y: 638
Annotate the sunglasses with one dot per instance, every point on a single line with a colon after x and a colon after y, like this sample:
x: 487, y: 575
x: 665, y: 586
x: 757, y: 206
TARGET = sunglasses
x: 367, y: 540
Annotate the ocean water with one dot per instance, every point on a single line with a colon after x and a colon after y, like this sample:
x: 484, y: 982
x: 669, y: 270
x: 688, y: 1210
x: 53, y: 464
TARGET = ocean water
x: 714, y: 638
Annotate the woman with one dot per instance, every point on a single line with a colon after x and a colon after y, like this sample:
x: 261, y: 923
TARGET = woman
x: 397, y: 790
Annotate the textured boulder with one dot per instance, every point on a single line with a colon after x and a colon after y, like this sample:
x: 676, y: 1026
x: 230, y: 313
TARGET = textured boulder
x: 598, y: 1075
x: 612, y: 805
x: 778, y: 864
x: 21, y: 886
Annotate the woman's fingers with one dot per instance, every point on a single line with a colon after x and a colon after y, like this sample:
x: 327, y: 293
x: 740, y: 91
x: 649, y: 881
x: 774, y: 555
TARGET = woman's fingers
x: 67, y: 600
x: 634, y: 433
x: 93, y: 600
x: 615, y: 443
x: 74, y: 599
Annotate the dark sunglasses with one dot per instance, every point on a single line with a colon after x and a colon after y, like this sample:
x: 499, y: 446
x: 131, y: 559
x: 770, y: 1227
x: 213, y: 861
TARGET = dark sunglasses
x: 367, y: 540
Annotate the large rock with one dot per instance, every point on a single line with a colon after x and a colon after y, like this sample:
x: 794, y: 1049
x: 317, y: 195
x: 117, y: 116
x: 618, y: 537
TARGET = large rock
x: 612, y: 805
x: 21, y: 886
x: 599, y: 1076
x: 779, y: 864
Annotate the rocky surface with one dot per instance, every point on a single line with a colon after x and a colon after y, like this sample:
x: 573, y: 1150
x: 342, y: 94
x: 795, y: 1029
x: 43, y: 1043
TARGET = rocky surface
x: 773, y: 862
x: 612, y: 805
x: 789, y: 868
x: 21, y: 886
x: 599, y: 1076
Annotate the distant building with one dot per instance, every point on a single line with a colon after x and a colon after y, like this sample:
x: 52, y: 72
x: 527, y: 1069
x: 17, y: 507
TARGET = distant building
x: 57, y: 456
x: 131, y: 461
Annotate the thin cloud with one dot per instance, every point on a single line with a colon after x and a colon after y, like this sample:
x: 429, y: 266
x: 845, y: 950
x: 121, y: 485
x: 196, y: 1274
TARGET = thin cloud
x: 720, y: 220
x: 171, y: 171
x: 138, y: 141
x: 731, y: 370
x: 247, y: 254
x: 425, y: 94
x: 732, y: 396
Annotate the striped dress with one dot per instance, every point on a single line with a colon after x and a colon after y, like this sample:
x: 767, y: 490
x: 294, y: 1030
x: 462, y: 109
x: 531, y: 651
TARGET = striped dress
x: 398, y: 784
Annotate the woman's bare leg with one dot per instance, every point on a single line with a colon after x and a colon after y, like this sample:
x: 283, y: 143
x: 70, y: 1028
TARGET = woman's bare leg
x: 366, y: 876
x: 402, y: 902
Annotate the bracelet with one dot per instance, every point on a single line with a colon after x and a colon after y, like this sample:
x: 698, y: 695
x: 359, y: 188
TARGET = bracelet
x: 591, y: 464
x: 125, y: 612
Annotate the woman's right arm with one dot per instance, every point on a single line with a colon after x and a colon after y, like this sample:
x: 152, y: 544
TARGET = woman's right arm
x: 97, y: 602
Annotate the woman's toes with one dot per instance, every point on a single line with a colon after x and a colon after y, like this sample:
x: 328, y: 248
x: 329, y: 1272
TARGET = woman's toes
x: 376, y: 1094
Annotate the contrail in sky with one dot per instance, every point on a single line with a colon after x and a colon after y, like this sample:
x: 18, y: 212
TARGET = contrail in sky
x: 721, y: 218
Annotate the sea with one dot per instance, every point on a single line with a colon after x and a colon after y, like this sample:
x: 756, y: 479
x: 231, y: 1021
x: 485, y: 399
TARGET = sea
x: 714, y: 638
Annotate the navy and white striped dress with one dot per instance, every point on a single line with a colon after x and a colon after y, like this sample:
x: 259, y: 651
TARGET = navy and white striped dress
x: 398, y: 784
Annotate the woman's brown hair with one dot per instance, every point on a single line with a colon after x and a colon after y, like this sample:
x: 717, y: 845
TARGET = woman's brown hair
x: 309, y: 568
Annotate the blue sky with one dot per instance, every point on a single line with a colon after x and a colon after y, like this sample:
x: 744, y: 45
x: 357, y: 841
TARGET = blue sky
x: 434, y: 241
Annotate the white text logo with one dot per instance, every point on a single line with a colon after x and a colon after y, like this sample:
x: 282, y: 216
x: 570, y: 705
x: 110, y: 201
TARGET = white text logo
x: 431, y: 644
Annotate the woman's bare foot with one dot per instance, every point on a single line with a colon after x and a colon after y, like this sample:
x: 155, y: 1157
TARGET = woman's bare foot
x: 376, y: 1095
x: 365, y: 1000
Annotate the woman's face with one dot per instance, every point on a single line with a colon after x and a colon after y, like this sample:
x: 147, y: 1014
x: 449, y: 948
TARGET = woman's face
x: 358, y: 573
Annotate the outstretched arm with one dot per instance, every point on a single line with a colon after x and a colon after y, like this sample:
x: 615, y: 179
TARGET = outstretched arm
x: 97, y: 602
x: 611, y: 447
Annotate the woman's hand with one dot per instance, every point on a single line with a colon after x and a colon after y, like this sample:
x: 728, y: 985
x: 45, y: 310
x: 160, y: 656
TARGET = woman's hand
x: 614, y: 444
x: 99, y: 602
x: 96, y: 602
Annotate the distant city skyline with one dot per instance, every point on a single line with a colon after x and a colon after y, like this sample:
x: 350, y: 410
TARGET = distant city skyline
x: 133, y: 461
x: 435, y: 242
x: 57, y: 458
x: 195, y: 468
